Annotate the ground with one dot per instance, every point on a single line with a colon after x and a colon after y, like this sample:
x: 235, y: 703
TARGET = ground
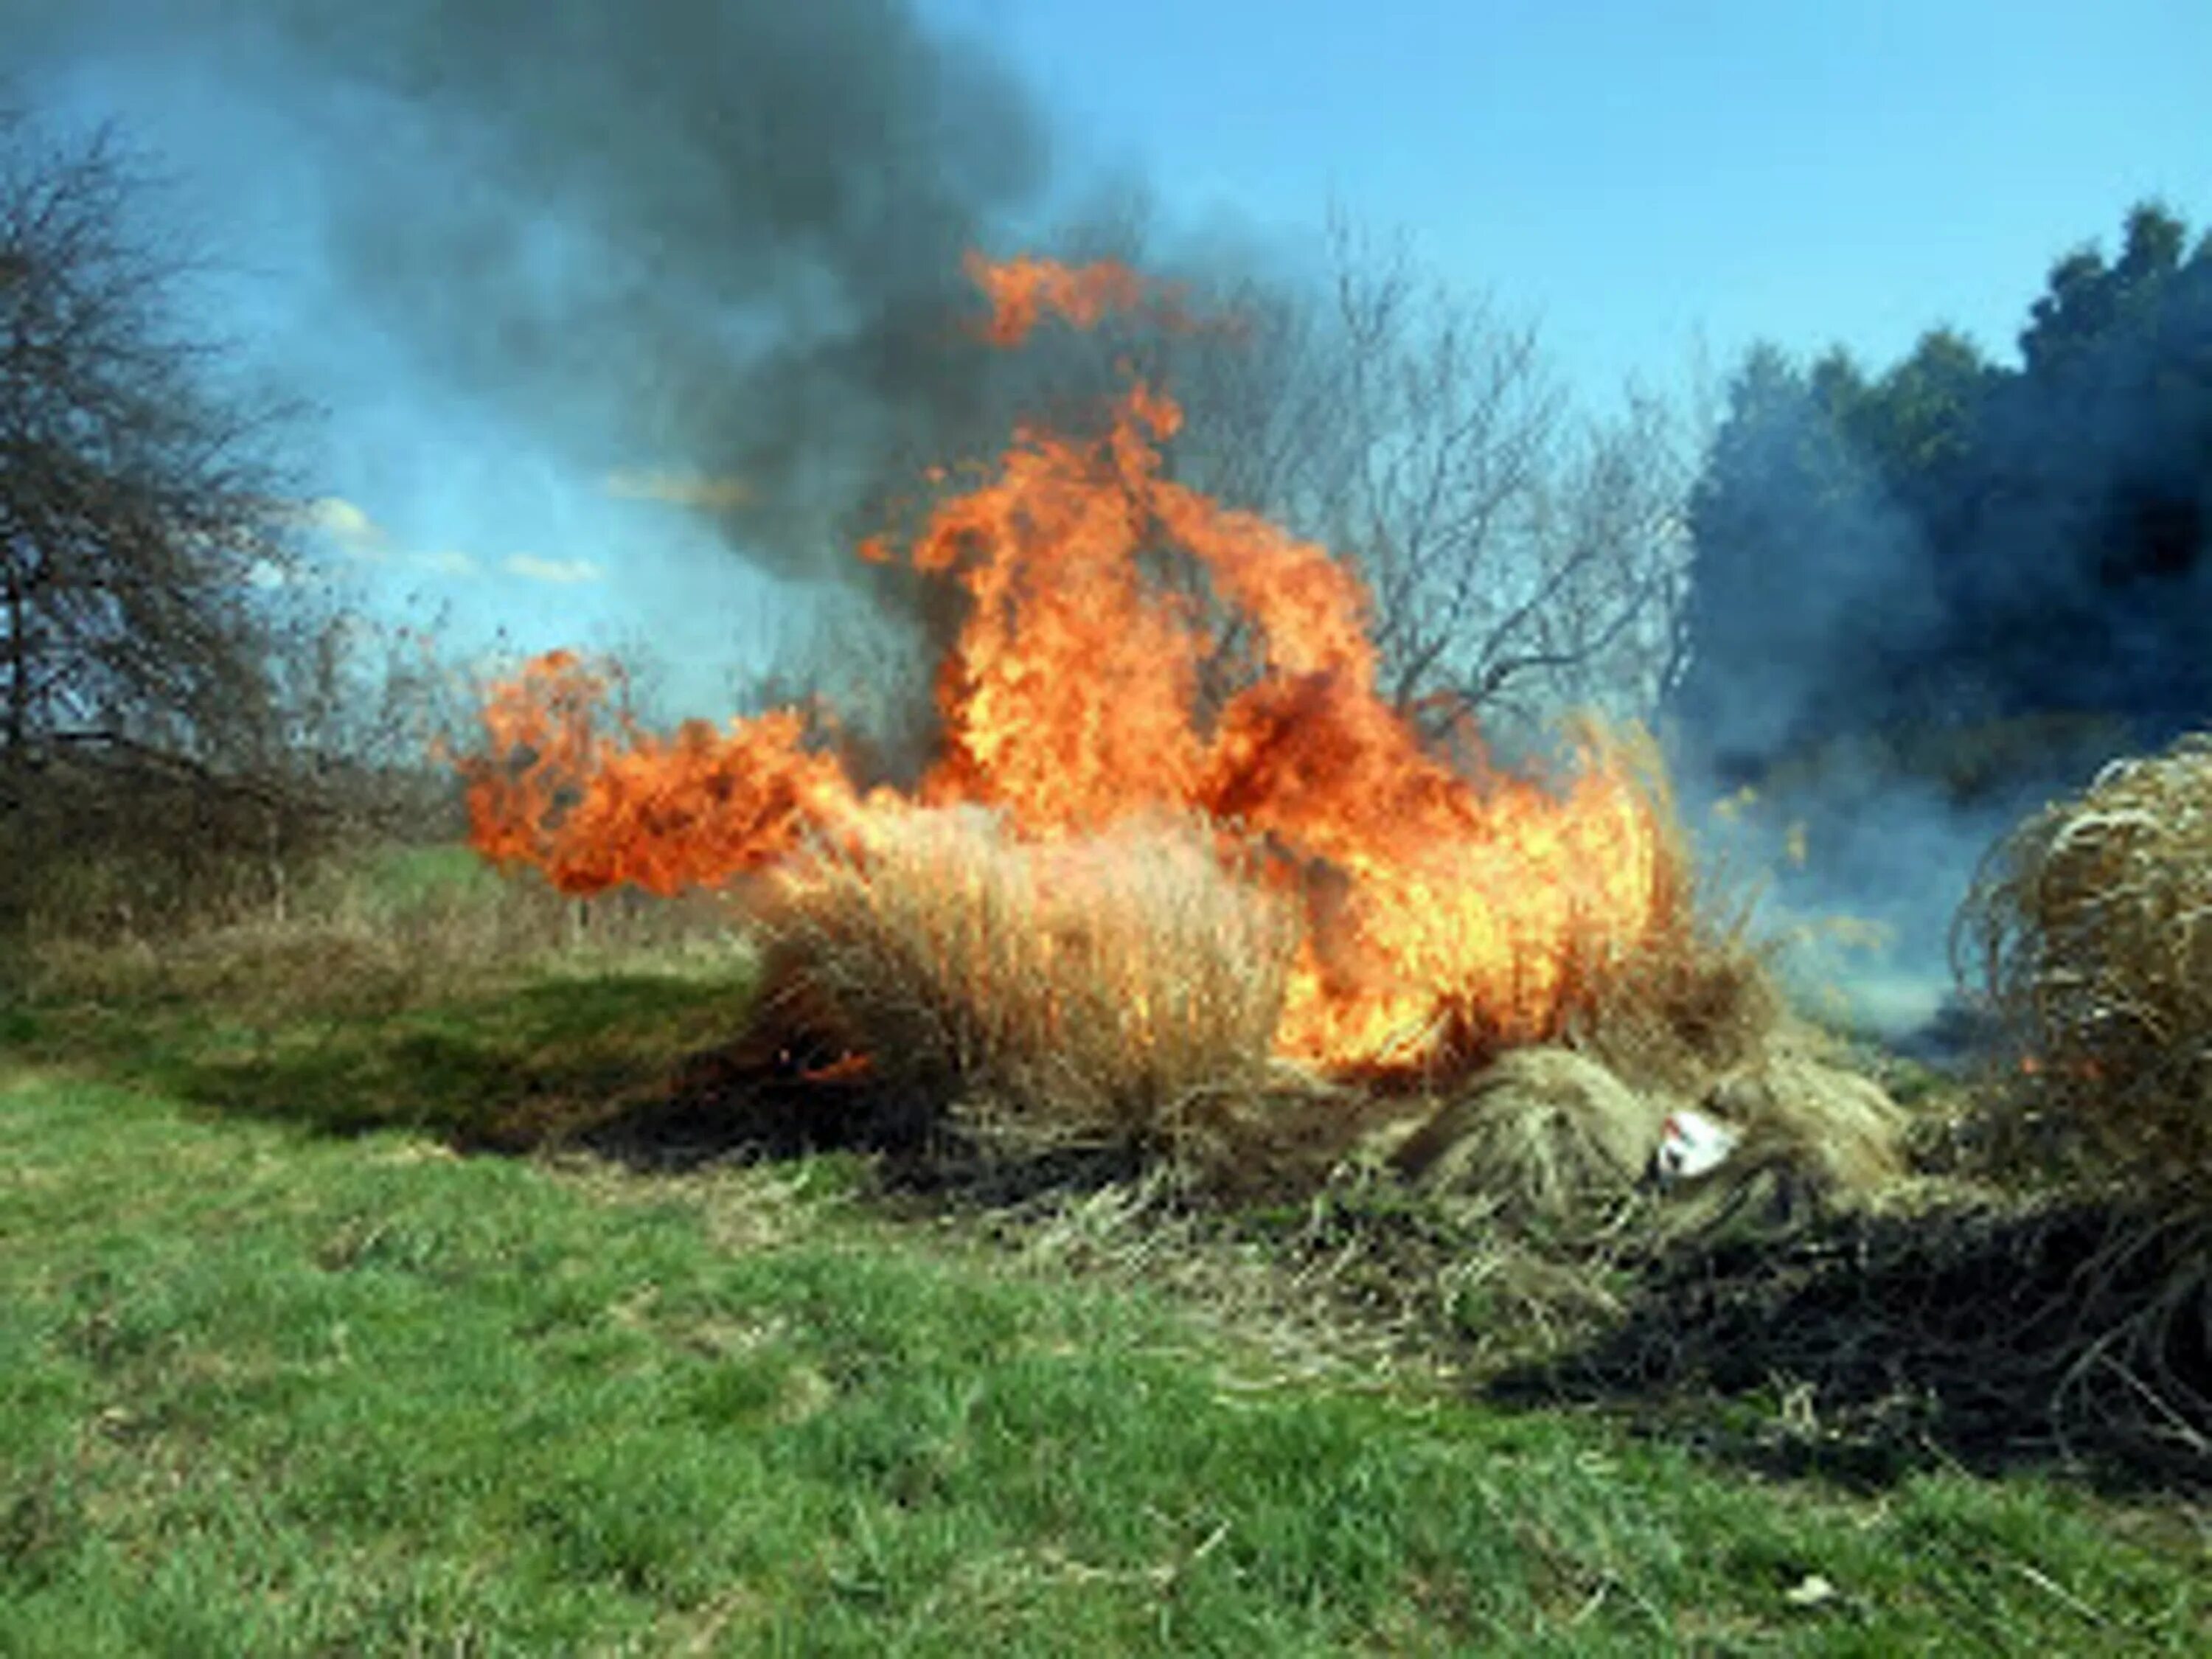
x: 296, y: 1360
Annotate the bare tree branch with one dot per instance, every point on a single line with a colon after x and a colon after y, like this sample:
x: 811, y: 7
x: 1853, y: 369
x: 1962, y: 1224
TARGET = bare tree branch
x: 1514, y: 554
x: 135, y: 510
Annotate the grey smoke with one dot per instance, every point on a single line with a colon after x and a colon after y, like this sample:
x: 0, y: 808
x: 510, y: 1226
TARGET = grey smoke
x: 714, y: 236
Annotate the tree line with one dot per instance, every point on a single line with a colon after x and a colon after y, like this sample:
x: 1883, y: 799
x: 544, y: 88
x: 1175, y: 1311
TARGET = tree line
x: 1957, y: 545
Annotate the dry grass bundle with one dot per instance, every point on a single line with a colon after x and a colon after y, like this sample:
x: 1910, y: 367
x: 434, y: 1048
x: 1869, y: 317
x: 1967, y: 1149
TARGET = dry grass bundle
x: 1842, y: 1126
x: 1109, y: 988
x: 1555, y: 1135
x: 1697, y: 997
x: 1815, y: 1137
x: 2092, y: 925
x: 1543, y: 1132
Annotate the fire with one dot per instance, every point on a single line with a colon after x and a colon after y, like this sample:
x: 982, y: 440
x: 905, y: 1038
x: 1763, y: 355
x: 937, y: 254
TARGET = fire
x: 1022, y: 290
x: 594, y: 810
x: 1447, y: 910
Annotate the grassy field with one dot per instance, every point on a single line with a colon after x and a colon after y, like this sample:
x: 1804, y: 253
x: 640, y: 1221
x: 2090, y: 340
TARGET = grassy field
x: 281, y: 1371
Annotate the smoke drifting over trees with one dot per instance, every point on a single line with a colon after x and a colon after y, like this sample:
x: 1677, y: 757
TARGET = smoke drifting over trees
x: 1925, y: 598
x: 1950, y: 545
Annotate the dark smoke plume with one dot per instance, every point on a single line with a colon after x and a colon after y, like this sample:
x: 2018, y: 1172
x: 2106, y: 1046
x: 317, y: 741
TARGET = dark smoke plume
x: 716, y: 239
x: 1928, y: 599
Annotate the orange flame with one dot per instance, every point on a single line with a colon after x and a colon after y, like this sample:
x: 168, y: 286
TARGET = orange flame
x: 1022, y: 289
x: 1445, y: 914
x: 663, y: 814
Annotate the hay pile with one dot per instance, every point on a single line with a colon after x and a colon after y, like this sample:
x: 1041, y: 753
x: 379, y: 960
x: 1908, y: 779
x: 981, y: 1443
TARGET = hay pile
x: 2092, y: 927
x: 1543, y: 1132
x: 1819, y: 1135
x: 1552, y: 1134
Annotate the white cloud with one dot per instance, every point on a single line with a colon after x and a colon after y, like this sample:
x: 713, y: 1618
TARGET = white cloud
x: 345, y: 524
x: 350, y: 530
x: 359, y: 538
x: 564, y: 571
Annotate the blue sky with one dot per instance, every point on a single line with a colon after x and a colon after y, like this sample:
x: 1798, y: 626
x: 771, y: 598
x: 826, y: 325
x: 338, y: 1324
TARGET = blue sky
x: 1637, y: 173
x: 1643, y: 179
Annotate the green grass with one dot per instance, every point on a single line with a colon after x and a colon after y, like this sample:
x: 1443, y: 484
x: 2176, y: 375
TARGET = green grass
x: 268, y: 1391
x: 281, y: 1373
x: 513, y: 1060
x: 405, y: 878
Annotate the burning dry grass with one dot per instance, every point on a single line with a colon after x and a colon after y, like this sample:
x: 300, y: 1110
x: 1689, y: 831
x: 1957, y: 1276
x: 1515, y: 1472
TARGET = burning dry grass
x: 2092, y: 925
x: 1559, y: 1132
x: 1446, y: 907
x: 1129, y: 989
x: 1241, y: 928
x: 1696, y: 997
x: 1110, y: 987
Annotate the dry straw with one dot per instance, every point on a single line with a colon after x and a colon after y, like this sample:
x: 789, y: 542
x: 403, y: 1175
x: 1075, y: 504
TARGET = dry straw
x: 1697, y: 996
x: 1106, y: 987
x: 1544, y: 1132
x: 2092, y: 927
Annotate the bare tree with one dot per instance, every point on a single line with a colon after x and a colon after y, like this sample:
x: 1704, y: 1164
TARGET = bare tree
x: 1587, y: 606
x: 140, y: 532
x: 1521, y: 559
x: 160, y: 666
